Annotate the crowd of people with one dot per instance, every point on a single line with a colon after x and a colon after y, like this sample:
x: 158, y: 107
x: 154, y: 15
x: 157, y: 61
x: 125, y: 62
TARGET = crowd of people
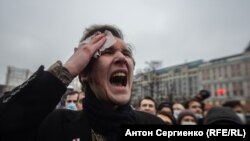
x: 195, y: 112
x: 191, y: 112
x: 42, y: 109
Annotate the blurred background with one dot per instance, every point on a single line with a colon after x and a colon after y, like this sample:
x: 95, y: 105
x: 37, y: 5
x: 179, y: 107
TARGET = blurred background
x: 180, y: 46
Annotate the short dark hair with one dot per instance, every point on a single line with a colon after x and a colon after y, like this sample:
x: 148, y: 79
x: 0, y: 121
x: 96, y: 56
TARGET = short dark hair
x: 187, y: 103
x: 64, y: 97
x: 232, y: 104
x: 149, y: 98
x: 165, y: 104
x: 101, y: 28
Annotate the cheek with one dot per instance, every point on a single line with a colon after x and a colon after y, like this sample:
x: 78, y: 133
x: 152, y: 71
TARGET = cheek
x: 131, y: 64
x: 97, y: 79
x: 96, y: 71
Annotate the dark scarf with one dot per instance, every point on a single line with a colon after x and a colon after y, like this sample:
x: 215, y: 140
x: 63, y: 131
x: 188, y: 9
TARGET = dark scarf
x: 104, y: 119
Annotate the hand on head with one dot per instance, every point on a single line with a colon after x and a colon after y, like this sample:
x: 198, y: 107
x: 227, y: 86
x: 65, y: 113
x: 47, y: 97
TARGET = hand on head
x: 83, y: 54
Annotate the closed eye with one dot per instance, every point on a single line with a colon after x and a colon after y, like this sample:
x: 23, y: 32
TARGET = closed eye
x: 110, y: 50
x: 127, y: 53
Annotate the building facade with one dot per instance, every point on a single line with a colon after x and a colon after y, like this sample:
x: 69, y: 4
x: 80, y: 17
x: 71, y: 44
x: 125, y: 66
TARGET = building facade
x: 227, y: 78
x: 15, y: 77
x: 176, y: 83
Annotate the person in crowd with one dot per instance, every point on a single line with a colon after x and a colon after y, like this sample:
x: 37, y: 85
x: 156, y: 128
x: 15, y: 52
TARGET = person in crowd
x: 166, y: 107
x: 71, y: 100
x: 167, y: 117
x: 148, y: 105
x: 207, y: 107
x: 61, y: 103
x: 177, y: 109
x: 80, y: 98
x: 237, y: 107
x: 197, y: 107
x: 104, y: 63
x: 222, y: 116
x: 187, y: 117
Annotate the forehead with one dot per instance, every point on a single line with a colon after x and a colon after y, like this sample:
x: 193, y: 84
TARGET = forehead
x: 147, y: 101
x: 120, y: 44
x: 72, y: 96
x: 188, y: 117
x: 177, y: 105
x: 194, y: 103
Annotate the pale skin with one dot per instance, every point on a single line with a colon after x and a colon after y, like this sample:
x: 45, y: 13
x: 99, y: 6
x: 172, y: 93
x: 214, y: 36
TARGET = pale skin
x: 71, y: 98
x: 116, y: 59
x: 79, y: 101
x: 188, y: 118
x: 147, y: 106
x: 195, y: 107
x: 82, y: 55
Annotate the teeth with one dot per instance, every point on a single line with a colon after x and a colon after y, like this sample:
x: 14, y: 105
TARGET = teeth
x: 119, y: 79
x: 119, y: 74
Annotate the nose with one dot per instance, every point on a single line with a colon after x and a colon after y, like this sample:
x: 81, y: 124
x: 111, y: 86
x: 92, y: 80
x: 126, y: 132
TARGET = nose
x: 120, y: 58
x: 198, y: 110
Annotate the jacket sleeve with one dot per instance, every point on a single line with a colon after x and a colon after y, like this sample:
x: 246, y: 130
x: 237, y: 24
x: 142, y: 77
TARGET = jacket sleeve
x: 23, y: 109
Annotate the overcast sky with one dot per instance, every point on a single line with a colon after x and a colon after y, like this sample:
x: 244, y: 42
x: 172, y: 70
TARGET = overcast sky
x: 39, y: 32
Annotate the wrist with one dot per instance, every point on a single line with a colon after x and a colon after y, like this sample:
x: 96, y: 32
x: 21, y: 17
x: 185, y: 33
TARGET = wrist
x: 70, y: 69
x: 61, y: 73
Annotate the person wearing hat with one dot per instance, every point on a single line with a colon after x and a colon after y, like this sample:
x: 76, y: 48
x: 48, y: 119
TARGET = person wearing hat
x: 222, y: 116
x: 166, y: 107
x: 187, y: 117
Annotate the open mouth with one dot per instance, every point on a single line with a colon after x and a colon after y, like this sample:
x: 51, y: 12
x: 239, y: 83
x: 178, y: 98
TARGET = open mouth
x: 119, y: 79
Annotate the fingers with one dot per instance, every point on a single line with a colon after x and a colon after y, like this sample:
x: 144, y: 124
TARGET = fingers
x: 98, y: 36
x: 93, y: 44
x: 82, y: 55
x: 92, y: 39
x: 98, y: 44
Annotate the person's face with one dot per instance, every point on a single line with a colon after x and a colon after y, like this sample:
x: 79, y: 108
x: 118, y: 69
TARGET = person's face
x: 79, y: 101
x: 188, y: 119
x: 178, y: 107
x: 111, y: 75
x: 195, y: 107
x: 148, y: 106
x: 71, y: 98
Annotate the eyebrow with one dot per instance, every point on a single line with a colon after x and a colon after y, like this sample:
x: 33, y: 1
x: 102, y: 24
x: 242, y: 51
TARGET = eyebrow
x: 71, y: 101
x: 125, y: 49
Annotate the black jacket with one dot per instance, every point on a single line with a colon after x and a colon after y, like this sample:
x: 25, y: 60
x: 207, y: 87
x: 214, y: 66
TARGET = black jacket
x: 23, y: 110
x: 66, y: 125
